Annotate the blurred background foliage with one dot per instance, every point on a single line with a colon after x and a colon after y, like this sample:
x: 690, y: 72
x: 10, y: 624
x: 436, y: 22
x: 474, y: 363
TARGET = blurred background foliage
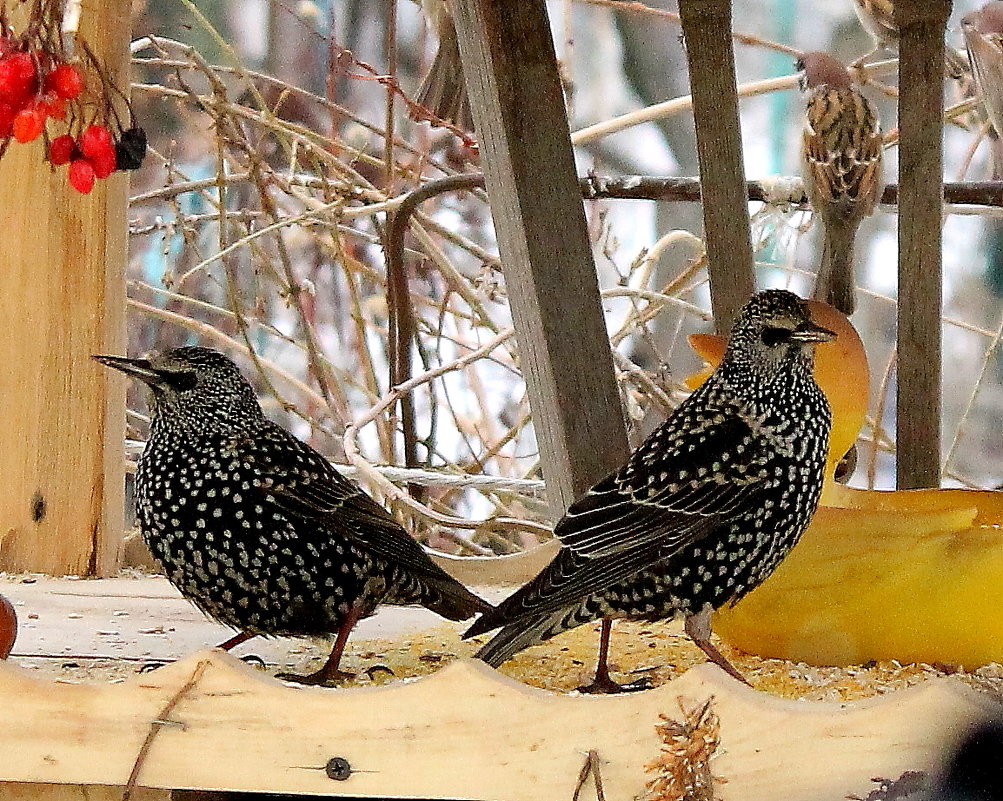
x: 258, y: 227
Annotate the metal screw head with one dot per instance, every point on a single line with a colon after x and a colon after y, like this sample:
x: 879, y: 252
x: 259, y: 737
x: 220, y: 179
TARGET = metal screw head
x: 338, y: 768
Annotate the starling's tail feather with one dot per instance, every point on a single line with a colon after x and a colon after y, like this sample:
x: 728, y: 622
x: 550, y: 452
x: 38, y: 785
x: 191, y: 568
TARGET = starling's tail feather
x: 453, y: 604
x: 520, y: 635
x: 483, y: 624
x: 444, y: 595
x: 835, y: 281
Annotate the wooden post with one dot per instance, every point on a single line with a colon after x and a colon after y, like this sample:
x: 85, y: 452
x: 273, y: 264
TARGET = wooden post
x: 63, y: 298
x: 727, y: 237
x: 921, y: 26
x: 529, y: 170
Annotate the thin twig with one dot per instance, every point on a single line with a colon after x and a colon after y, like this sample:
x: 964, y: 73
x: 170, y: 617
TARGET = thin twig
x: 162, y: 719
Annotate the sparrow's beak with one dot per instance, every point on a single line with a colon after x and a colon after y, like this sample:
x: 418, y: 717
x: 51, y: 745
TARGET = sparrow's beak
x: 134, y: 368
x: 809, y: 332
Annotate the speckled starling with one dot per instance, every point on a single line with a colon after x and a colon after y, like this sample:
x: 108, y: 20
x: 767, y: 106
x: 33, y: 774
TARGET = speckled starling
x: 704, y: 509
x: 255, y: 527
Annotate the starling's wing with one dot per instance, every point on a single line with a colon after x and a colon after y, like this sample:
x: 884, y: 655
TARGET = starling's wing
x: 667, y: 497
x: 842, y: 152
x: 304, y: 484
x: 671, y: 492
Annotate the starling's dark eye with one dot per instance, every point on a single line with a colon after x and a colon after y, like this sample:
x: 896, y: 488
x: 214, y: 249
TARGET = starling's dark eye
x: 773, y: 336
x: 181, y: 381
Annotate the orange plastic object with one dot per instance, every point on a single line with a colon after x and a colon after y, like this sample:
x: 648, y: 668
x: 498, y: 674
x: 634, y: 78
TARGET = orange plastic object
x: 912, y: 575
x: 841, y: 370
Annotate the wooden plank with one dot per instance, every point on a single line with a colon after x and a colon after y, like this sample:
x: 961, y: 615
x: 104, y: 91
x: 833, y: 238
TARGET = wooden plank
x: 518, y: 107
x: 63, y: 263
x: 15, y: 791
x: 426, y: 739
x: 727, y: 237
x: 921, y: 26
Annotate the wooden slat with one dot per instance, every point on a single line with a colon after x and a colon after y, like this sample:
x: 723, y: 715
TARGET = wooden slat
x: 730, y: 265
x: 466, y: 732
x: 16, y: 791
x: 921, y: 106
x: 63, y: 263
x: 518, y: 107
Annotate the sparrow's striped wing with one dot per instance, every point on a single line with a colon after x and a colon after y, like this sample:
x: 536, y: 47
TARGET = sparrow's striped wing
x: 842, y: 149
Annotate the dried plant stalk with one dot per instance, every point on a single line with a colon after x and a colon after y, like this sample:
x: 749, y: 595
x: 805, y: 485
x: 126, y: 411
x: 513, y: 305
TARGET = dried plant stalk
x: 682, y: 769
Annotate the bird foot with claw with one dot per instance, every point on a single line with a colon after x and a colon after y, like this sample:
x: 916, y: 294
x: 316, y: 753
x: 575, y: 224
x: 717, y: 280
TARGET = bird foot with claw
x: 318, y: 679
x: 254, y: 659
x: 372, y: 671
x: 606, y: 686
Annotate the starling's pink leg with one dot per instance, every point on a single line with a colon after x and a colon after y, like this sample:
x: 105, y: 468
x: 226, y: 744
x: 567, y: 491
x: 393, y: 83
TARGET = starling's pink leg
x: 698, y: 628
x: 236, y: 640
x: 602, y: 683
x: 329, y: 673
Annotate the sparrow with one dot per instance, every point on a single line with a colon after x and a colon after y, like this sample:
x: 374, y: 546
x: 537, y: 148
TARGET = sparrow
x: 983, y: 32
x: 878, y: 18
x: 841, y: 164
x: 442, y: 92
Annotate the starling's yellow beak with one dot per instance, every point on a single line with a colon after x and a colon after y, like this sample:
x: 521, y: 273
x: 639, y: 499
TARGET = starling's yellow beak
x: 134, y: 368
x: 809, y: 332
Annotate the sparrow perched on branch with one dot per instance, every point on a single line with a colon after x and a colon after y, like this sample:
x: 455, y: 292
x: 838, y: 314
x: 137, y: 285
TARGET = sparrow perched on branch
x: 878, y: 18
x: 983, y: 31
x: 841, y: 162
x: 442, y: 91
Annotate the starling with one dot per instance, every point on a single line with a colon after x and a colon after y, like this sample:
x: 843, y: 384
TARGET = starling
x: 255, y: 527
x: 704, y: 509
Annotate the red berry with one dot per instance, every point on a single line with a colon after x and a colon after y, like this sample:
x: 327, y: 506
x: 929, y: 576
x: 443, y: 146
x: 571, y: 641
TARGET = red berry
x: 81, y: 176
x: 61, y: 149
x: 22, y: 66
x: 95, y: 141
x: 7, y: 114
x: 98, y: 146
x: 104, y: 164
x: 66, y: 81
x: 28, y: 124
x: 17, y: 78
x: 53, y: 105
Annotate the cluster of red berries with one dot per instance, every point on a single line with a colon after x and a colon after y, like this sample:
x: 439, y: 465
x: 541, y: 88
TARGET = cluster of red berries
x: 91, y: 155
x: 30, y: 94
x: 36, y: 86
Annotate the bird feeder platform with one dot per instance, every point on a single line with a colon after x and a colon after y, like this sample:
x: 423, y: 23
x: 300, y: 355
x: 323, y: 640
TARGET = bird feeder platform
x: 79, y: 727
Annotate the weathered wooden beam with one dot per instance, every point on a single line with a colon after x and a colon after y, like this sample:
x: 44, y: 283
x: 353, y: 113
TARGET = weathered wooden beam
x: 518, y: 107
x: 921, y: 25
x: 63, y: 263
x: 730, y: 264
